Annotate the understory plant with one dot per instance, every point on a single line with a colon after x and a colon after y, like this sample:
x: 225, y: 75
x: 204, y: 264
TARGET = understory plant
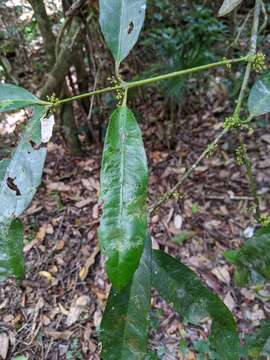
x: 133, y: 267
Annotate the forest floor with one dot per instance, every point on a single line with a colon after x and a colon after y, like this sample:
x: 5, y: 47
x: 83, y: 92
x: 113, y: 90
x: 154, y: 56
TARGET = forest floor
x: 56, y: 312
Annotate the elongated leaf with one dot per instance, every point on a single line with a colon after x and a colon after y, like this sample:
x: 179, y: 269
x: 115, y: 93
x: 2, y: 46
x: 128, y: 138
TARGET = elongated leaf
x: 124, y: 175
x: 228, y: 6
x: 259, y: 97
x: 19, y: 178
x: 11, y: 250
x: 125, y: 322
x: 24, y: 170
x: 258, y: 343
x: 181, y: 288
x: 121, y: 22
x: 252, y: 260
x: 14, y: 98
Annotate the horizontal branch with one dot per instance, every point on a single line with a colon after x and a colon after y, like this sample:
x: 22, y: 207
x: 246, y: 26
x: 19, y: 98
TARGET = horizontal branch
x: 152, y: 80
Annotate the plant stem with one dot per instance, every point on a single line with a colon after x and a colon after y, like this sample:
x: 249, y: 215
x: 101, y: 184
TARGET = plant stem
x: 139, y: 83
x: 247, y: 162
x: 252, y: 52
x: 187, y: 173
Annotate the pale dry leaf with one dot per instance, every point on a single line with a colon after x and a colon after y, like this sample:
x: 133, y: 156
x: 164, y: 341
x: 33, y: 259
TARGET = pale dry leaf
x: 222, y: 274
x: 228, y: 6
x: 76, y: 309
x: 40, y: 235
x: 89, y: 262
x: 178, y: 221
x: 46, y: 275
x: 229, y: 301
x: 4, y: 345
x: 47, y: 125
x: 59, y: 335
x: 95, y: 212
x: 58, y: 186
x: 266, y: 138
x: 82, y: 203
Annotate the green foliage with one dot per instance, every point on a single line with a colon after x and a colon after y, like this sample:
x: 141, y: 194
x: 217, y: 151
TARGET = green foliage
x: 252, y: 260
x: 124, y: 176
x: 11, y: 250
x: 73, y: 353
x: 183, y: 290
x: 121, y: 22
x: 19, y: 178
x: 132, y: 266
x: 14, y: 98
x: 258, y: 102
x: 258, y: 343
x: 125, y: 322
x: 187, y: 42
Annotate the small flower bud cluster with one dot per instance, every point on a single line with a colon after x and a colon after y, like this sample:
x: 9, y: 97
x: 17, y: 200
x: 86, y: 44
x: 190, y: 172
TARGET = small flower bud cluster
x: 240, y: 155
x: 211, y: 149
x: 227, y: 64
x: 258, y: 62
x: 53, y: 99
x: 119, y: 92
x: 232, y: 122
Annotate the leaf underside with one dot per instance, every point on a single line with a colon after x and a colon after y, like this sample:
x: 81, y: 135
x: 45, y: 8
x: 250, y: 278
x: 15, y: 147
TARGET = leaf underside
x: 259, y: 98
x: 14, y: 98
x: 19, y: 178
x: 124, y: 176
x: 228, y: 6
x: 124, y: 325
x: 121, y: 22
x: 183, y: 290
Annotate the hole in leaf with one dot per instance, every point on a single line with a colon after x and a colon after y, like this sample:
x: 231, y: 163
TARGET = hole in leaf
x: 130, y: 27
x: 11, y: 184
x: 36, y: 146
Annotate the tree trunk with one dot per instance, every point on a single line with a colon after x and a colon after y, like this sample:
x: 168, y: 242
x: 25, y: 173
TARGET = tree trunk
x: 44, y: 25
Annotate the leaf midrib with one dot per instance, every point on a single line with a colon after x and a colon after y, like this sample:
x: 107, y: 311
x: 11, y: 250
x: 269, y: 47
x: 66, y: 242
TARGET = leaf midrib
x: 120, y: 35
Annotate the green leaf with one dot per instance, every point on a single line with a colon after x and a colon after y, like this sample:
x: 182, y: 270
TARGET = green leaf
x: 259, y: 97
x: 124, y: 327
x: 23, y: 172
x: 20, y: 357
x: 231, y: 256
x: 19, y: 178
x: 183, y: 290
x: 3, y: 168
x: 253, y: 258
x: 124, y: 175
x: 14, y: 98
x: 228, y: 6
x: 121, y: 22
x: 11, y: 250
x: 259, y: 342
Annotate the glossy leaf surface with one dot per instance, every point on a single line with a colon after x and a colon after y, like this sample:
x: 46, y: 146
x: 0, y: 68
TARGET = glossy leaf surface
x: 252, y: 260
x: 259, y: 97
x: 124, y: 174
x: 121, y: 22
x: 11, y: 250
x: 14, y: 98
x: 19, y: 178
x: 183, y: 290
x: 124, y: 327
x: 228, y: 6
